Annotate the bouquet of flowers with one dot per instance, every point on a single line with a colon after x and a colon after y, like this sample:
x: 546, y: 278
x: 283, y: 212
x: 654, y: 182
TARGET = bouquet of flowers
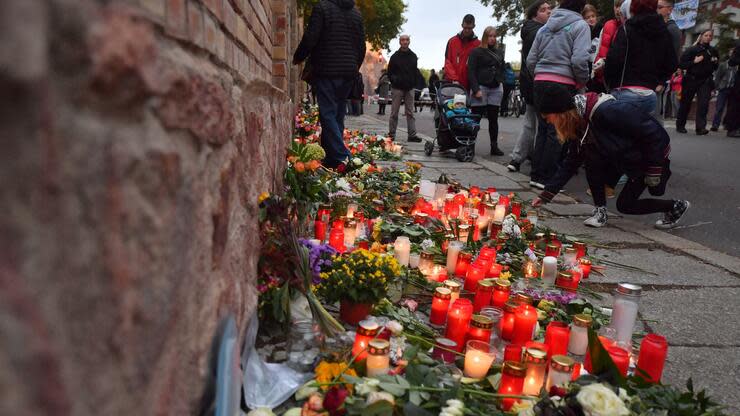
x: 360, y: 277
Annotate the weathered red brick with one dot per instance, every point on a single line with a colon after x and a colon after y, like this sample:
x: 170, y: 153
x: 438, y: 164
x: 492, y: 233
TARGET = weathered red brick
x: 281, y: 23
x: 216, y: 7
x: 229, y: 53
x: 230, y: 17
x: 278, y: 69
x: 176, y: 21
x: 279, y: 39
x: 195, y: 23
x: 211, y: 32
x: 155, y: 7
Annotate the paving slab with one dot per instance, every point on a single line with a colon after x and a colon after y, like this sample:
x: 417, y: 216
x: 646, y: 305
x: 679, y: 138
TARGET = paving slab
x: 671, y: 269
x: 570, y: 210
x: 715, y: 369
x: 484, y: 178
x: 430, y: 174
x: 706, y: 317
x: 608, y: 234
x: 451, y: 165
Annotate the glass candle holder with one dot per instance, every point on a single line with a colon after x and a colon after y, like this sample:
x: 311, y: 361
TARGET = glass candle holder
x: 516, y: 209
x: 378, y: 358
x: 523, y: 298
x: 512, y: 382
x: 561, y: 368
x: 536, y: 361
x: 458, y: 319
x: 483, y: 295
x: 488, y: 253
x: 507, y: 322
x: 440, y: 306
x: 653, y: 352
x: 533, y: 217
x: 463, y: 262
x: 606, y: 342
x: 569, y: 257
x: 495, y: 270
x: 479, y: 356
x: 366, y: 331
x: 463, y: 230
x: 444, y: 349
x: 319, y: 230
x: 453, y: 251
x: 414, y: 259
x: 480, y: 328
x: 437, y: 274
x: 495, y: 227
x: 454, y: 287
x: 566, y: 282
x: 578, y: 342
x: 624, y: 311
x: 513, y: 352
x: 495, y: 315
x: 530, y: 270
x: 557, y: 336
x: 580, y: 249
x: 585, y: 267
x: 474, y: 274
x: 525, y: 319
x: 401, y: 250
x: 336, y: 238
x: 552, y: 250
x: 426, y: 262
x: 501, y: 292
x: 621, y: 358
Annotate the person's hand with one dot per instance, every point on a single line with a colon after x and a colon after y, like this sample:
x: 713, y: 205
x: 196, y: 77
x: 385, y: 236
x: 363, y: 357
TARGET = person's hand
x: 652, y: 181
x: 537, y: 202
x: 698, y: 59
x: 659, y: 89
x: 478, y: 94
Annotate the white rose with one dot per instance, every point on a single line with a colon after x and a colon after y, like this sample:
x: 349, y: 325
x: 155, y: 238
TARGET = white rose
x: 369, y: 385
x: 377, y: 396
x: 599, y: 400
x: 395, y: 327
x: 453, y: 407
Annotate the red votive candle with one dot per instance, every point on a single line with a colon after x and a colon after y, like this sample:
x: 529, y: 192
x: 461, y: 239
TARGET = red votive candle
x: 443, y: 350
x: 480, y: 329
x: 319, y: 230
x: 606, y: 342
x: 503, y: 200
x: 484, y: 263
x: 653, y: 352
x: 474, y: 191
x: 507, y: 322
x: 440, y: 306
x: 552, y: 250
x: 516, y: 209
x: 336, y: 238
x: 458, y: 319
x: 474, y: 274
x: 513, y: 352
x: 576, y: 371
x: 463, y: 262
x: 525, y: 319
x: 495, y: 270
x: 482, y: 295
x: 580, y: 249
x: 501, y: 293
x: 585, y: 267
x: 557, y: 335
x: 488, y: 253
x: 495, y: 229
x: 537, y: 345
x: 366, y: 331
x: 621, y: 358
x: 566, y: 281
x: 512, y: 382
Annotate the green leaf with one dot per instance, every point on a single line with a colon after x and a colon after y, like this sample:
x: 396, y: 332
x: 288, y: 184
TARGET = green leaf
x: 494, y: 380
x: 379, y: 408
x: 415, y: 397
x: 601, y: 363
x: 393, y: 388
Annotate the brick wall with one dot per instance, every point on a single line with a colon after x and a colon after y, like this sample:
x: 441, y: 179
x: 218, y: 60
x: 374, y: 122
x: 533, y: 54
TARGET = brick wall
x: 137, y: 136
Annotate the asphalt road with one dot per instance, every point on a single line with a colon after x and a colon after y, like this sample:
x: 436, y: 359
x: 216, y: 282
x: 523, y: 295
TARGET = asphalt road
x: 706, y: 170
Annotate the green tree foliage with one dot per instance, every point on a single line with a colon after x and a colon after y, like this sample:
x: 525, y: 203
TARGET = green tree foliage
x: 382, y: 18
x: 728, y: 29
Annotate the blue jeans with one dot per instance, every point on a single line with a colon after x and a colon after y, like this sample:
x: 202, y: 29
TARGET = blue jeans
x: 719, y: 108
x: 331, y: 95
x: 646, y: 103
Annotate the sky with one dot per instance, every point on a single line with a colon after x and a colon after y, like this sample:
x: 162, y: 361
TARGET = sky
x: 430, y: 23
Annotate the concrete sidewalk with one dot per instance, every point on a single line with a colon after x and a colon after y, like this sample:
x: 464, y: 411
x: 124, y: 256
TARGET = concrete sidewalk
x: 693, y: 299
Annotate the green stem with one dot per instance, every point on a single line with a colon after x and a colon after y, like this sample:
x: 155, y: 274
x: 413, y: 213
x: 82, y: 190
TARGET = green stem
x: 419, y: 338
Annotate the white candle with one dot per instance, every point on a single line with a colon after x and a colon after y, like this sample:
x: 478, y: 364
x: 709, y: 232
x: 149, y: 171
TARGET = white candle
x: 351, y: 208
x: 549, y: 269
x: 532, y: 217
x: 453, y: 249
x: 578, y: 341
x: 378, y: 360
x: 499, y: 213
x: 440, y: 191
x: 402, y: 249
x: 414, y: 260
x: 350, y: 234
x: 478, y: 359
x: 624, y: 316
x: 427, y: 189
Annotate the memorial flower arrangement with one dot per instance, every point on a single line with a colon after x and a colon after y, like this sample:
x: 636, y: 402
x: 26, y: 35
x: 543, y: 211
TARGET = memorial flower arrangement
x: 360, y: 276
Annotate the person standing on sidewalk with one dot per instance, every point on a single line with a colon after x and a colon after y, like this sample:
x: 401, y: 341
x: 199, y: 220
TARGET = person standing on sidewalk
x: 486, y: 76
x: 612, y: 135
x: 723, y: 79
x: 537, y: 15
x: 457, y: 52
x: 509, y: 85
x: 559, y: 60
x: 665, y: 99
x: 676, y: 80
x: 335, y: 42
x: 433, y: 81
x: 732, y: 119
x: 384, y: 91
x: 403, y: 74
x: 700, y: 61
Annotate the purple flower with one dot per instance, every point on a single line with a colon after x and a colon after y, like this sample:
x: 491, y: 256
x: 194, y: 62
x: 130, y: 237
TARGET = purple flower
x: 319, y: 257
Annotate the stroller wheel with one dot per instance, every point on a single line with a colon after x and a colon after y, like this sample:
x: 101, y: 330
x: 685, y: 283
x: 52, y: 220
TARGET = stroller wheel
x: 465, y: 153
x: 428, y: 148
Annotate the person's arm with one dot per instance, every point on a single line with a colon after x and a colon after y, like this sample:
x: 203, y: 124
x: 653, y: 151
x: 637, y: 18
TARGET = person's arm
x: 450, y: 69
x: 581, y: 53
x: 472, y: 76
x: 533, y: 55
x: 570, y: 166
x: 311, y: 36
x: 607, y: 35
x: 687, y: 58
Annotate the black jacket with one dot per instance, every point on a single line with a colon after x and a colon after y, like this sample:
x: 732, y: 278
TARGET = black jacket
x: 526, y: 80
x: 698, y: 73
x: 650, y: 57
x: 403, y: 70
x: 632, y: 141
x: 485, y: 67
x: 334, y: 40
x: 433, y: 81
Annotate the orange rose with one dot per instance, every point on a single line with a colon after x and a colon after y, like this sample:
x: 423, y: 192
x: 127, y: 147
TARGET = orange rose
x: 299, y: 166
x: 314, y: 164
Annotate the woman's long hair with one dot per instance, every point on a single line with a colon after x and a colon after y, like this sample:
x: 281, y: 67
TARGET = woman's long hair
x: 486, y: 35
x: 568, y: 125
x: 701, y: 35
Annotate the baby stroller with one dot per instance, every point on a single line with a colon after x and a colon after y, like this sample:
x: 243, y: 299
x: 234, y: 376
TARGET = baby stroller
x: 449, y: 136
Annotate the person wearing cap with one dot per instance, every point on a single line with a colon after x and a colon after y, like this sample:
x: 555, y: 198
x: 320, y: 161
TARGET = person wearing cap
x: 456, y: 107
x: 610, y: 135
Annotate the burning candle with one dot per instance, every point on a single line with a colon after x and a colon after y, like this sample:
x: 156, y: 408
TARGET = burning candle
x: 414, y: 259
x: 336, y: 238
x: 557, y: 336
x: 426, y: 262
x: 513, y: 352
x: 401, y: 250
x: 536, y: 362
x: 495, y: 315
x: 453, y: 250
x: 440, y: 306
x: 512, y: 382
x: 366, y: 331
x: 507, y: 322
x: 351, y: 208
x: 569, y: 258
x: 479, y: 356
x: 529, y: 269
x: 350, y: 232
x: 525, y: 319
x: 561, y: 367
x: 463, y: 262
x: 653, y: 351
x: 549, y: 269
x: 378, y: 358
x: 532, y: 217
x: 444, y: 349
x: 522, y: 298
x: 319, y: 230
x: 621, y: 358
x: 437, y: 274
x: 585, y: 267
x: 501, y: 292
x: 580, y: 249
x: 463, y: 231
x: 578, y: 343
x: 516, y: 209
x: 480, y: 328
x: 483, y: 294
x: 495, y: 229
x: 475, y: 273
x: 454, y: 287
x: 458, y: 319
x: 624, y: 311
x: 499, y: 213
x: 552, y: 250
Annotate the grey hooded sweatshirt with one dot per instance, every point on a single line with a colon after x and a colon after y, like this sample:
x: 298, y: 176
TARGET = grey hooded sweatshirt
x: 562, y: 47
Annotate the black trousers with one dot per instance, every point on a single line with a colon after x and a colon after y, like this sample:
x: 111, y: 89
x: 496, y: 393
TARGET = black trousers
x: 703, y: 92
x: 491, y: 113
x: 505, y: 99
x: 732, y: 116
x: 599, y: 172
x: 547, y: 153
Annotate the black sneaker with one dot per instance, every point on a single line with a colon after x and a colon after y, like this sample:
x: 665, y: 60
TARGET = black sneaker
x: 513, y: 166
x: 415, y: 139
x: 702, y: 132
x: 495, y: 151
x: 672, y: 217
x: 714, y: 128
x: 681, y: 129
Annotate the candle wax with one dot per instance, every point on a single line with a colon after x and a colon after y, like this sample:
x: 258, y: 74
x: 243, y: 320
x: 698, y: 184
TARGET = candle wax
x: 524, y: 324
x: 477, y: 363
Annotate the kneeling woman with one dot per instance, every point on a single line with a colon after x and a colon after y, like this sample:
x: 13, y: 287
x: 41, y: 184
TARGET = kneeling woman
x: 612, y: 137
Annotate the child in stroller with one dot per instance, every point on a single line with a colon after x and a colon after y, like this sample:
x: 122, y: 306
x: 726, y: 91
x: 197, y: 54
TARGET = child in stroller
x: 456, y: 106
x: 456, y: 127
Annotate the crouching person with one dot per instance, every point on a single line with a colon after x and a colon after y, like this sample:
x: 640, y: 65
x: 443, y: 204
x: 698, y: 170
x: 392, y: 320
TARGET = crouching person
x: 610, y: 137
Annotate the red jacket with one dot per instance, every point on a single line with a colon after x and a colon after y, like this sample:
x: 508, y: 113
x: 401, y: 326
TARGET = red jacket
x: 608, y: 33
x: 456, y: 58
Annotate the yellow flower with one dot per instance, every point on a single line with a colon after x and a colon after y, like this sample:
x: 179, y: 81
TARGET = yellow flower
x: 505, y: 275
x: 263, y: 196
x: 545, y: 305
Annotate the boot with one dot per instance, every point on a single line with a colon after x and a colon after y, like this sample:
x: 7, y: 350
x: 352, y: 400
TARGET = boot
x: 495, y: 151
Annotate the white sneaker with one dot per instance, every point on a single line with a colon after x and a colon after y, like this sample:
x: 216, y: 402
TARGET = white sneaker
x: 598, y: 219
x: 536, y: 185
